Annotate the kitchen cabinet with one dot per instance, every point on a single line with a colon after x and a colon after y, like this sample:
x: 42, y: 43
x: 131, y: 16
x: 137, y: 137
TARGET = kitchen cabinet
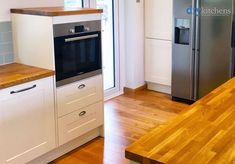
x: 158, y: 61
x: 158, y: 44
x: 158, y: 19
x: 27, y: 121
x: 79, y: 104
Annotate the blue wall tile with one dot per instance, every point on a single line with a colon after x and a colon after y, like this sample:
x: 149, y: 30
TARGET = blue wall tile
x: 6, y: 47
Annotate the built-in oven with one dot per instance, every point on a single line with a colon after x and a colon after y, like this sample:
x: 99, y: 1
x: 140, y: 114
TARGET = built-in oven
x: 77, y: 51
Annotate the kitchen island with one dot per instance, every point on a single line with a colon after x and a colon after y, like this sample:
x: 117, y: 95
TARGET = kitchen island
x: 205, y: 133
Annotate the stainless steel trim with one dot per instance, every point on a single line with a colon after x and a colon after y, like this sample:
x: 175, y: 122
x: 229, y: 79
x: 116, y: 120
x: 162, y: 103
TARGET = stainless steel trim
x: 192, y: 57
x: 64, y: 29
x: 79, y: 77
x: 197, y: 53
x: 23, y: 90
x: 81, y: 38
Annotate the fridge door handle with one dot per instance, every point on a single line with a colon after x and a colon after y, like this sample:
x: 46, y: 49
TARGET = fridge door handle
x: 192, y: 57
x: 196, y: 75
x: 197, y: 53
x: 193, y: 25
x: 233, y: 35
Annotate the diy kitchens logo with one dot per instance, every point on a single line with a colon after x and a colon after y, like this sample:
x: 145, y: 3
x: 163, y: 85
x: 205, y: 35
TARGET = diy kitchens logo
x: 213, y: 11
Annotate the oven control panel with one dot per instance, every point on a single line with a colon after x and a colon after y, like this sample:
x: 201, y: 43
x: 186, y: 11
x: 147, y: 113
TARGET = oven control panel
x: 76, y: 28
x: 79, y: 29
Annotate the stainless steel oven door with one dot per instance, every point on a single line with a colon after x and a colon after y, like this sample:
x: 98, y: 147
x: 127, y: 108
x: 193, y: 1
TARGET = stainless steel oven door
x: 77, y: 56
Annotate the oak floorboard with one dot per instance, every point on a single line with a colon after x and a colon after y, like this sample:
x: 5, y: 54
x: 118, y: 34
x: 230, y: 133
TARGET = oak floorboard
x: 127, y: 118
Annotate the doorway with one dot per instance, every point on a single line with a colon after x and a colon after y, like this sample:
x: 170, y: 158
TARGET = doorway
x: 109, y: 44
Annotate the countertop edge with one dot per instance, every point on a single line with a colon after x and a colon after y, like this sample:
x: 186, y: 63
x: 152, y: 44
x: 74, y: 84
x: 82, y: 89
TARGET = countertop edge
x: 26, y: 80
x: 31, y: 11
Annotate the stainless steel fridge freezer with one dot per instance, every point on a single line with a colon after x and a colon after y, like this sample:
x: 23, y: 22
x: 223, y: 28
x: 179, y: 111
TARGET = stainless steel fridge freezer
x: 201, y: 51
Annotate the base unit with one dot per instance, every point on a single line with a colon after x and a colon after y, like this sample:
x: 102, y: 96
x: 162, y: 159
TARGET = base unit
x: 158, y: 61
x: 27, y: 121
x: 158, y: 64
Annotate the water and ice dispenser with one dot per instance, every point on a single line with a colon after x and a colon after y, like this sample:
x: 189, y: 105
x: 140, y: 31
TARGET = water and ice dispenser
x: 182, y: 31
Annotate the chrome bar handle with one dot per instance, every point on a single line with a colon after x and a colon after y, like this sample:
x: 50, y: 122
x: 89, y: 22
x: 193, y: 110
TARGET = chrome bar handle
x: 81, y: 38
x: 23, y: 90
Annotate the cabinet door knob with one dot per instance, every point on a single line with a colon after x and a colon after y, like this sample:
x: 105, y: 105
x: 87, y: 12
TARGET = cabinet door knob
x: 82, y: 113
x: 81, y: 86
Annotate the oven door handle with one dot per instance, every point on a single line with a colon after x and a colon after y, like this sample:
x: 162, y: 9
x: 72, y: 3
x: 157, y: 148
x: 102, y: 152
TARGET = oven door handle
x: 81, y: 38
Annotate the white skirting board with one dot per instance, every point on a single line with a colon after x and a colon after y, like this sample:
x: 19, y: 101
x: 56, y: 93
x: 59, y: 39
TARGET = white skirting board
x: 159, y: 88
x: 60, y: 151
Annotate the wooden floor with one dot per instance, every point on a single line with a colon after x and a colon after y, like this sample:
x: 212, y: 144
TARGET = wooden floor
x: 127, y: 118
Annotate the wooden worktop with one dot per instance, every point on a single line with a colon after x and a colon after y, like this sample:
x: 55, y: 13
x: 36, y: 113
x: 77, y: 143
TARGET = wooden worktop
x: 205, y: 133
x: 14, y: 74
x: 56, y: 11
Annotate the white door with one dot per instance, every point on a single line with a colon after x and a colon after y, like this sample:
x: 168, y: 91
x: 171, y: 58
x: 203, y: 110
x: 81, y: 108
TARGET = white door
x: 158, y: 61
x: 110, y: 45
x: 27, y: 123
x: 158, y: 19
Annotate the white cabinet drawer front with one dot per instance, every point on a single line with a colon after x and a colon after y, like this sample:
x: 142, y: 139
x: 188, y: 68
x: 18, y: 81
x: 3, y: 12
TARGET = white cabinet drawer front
x: 158, y: 61
x: 27, y: 123
x: 78, y: 95
x: 80, y: 122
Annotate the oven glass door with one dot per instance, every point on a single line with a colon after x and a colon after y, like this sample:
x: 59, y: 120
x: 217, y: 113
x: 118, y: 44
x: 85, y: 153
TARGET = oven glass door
x: 77, y: 54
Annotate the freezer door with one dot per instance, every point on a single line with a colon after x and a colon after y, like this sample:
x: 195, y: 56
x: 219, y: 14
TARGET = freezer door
x: 183, y: 50
x: 214, y: 46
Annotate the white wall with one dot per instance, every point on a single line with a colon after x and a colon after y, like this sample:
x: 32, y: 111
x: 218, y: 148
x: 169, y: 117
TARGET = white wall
x: 91, y: 3
x: 6, y: 5
x: 134, y: 43
x: 122, y: 42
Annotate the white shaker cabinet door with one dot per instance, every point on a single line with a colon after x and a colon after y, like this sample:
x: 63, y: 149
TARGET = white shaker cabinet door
x: 27, y: 124
x: 158, y: 61
x: 158, y: 19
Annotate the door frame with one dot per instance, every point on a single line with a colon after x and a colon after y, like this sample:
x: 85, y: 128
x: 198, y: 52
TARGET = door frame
x: 118, y: 89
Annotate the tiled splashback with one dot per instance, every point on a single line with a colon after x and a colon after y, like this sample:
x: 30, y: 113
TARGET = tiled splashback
x: 6, y: 47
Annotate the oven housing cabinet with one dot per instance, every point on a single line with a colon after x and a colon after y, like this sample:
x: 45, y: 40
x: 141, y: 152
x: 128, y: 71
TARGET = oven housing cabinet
x: 35, y: 46
x: 78, y: 53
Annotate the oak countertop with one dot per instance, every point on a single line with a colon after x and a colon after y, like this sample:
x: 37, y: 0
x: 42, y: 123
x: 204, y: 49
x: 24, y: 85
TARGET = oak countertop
x: 15, y: 74
x: 205, y: 133
x: 56, y: 11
